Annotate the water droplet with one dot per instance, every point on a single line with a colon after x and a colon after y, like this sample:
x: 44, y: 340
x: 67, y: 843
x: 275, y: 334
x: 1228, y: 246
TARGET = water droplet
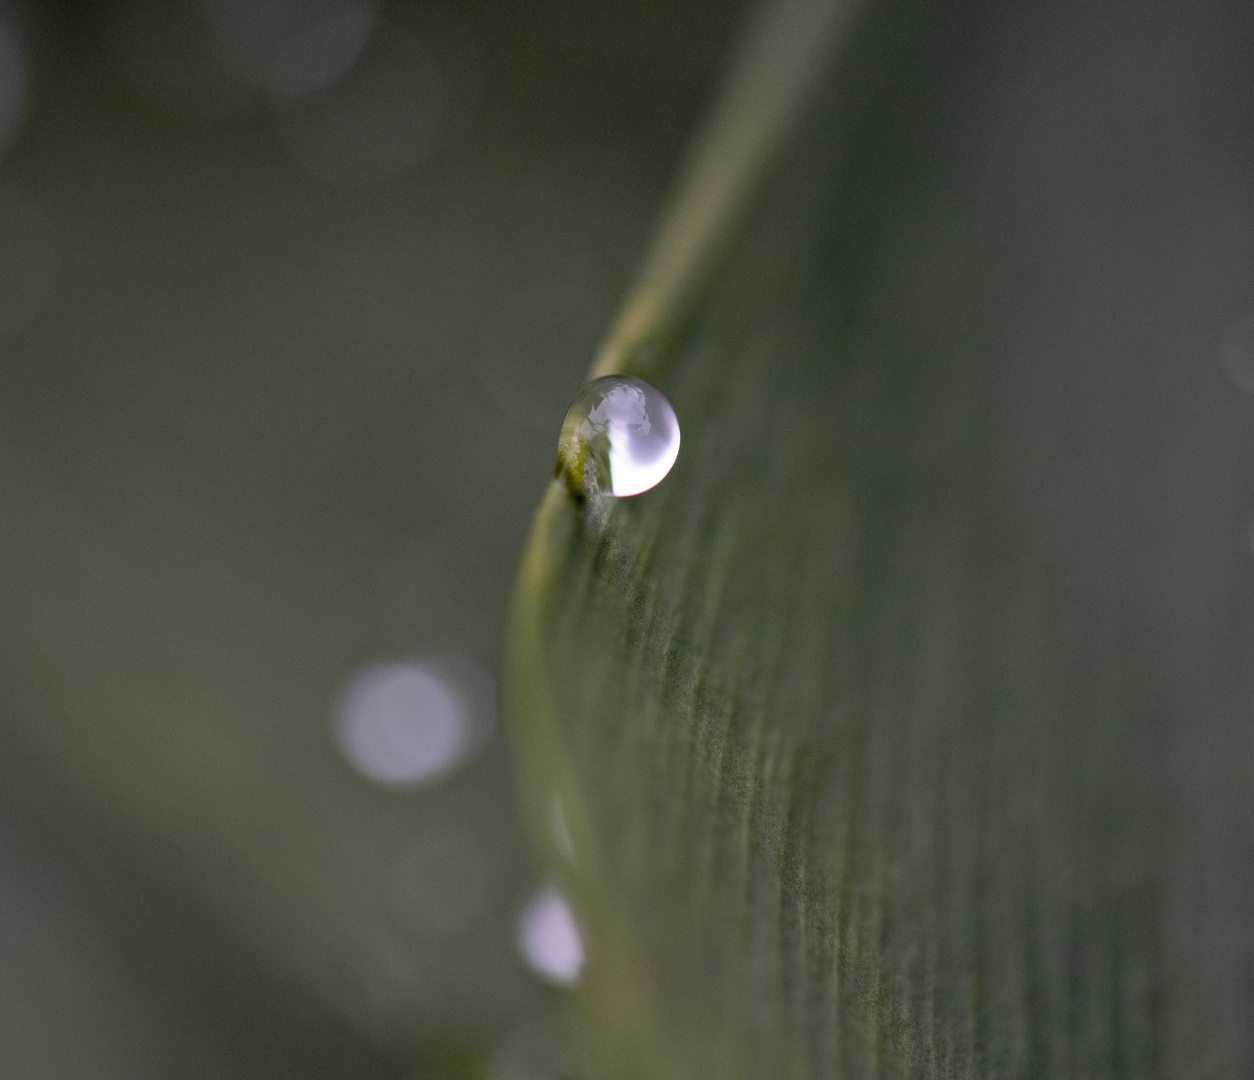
x: 619, y: 438
x: 407, y: 723
x: 548, y: 938
x: 1238, y: 352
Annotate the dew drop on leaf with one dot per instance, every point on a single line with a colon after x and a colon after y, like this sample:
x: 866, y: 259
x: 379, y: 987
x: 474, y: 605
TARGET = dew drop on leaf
x: 619, y: 438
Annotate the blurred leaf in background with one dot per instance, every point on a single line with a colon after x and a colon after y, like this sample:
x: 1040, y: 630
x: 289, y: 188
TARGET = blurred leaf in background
x: 293, y: 296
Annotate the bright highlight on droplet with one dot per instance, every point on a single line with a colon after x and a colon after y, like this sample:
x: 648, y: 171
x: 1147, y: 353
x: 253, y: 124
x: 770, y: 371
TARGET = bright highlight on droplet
x: 406, y: 723
x: 620, y: 438
x: 549, y: 940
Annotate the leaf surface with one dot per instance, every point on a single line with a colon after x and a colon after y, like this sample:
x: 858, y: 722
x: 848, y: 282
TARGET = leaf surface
x: 903, y: 730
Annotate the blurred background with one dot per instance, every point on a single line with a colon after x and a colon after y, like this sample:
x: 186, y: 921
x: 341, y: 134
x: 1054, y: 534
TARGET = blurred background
x: 293, y: 297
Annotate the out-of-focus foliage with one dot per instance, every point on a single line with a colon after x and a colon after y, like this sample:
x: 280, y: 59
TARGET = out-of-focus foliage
x: 904, y: 729
x: 288, y: 324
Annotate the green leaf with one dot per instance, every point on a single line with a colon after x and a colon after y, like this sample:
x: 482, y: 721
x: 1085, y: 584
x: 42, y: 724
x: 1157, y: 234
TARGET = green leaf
x: 904, y: 729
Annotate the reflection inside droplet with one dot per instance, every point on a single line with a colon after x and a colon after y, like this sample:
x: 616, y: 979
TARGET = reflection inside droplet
x: 406, y: 723
x: 549, y: 940
x: 1238, y: 352
x: 620, y: 437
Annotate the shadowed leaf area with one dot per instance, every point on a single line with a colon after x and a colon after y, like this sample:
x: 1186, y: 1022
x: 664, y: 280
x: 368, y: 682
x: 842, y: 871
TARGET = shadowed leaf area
x: 905, y: 726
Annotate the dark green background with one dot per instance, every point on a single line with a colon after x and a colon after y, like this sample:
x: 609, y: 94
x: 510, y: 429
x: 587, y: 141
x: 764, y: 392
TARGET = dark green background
x: 265, y: 428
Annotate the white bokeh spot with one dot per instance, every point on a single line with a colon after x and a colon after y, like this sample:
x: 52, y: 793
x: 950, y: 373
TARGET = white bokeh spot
x: 405, y: 723
x: 549, y: 939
